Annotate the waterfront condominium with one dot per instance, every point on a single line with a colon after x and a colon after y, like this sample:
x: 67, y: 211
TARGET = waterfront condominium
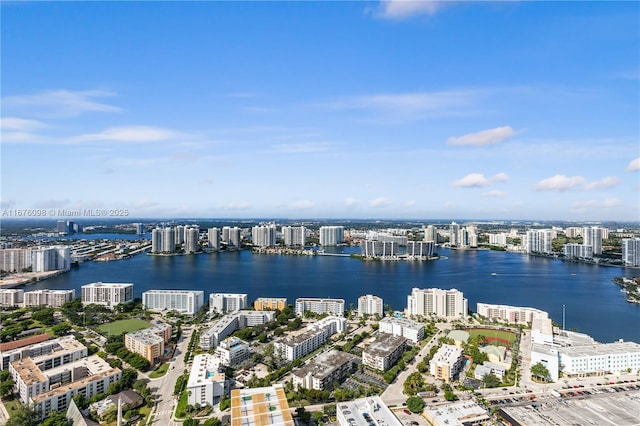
x: 191, y: 240
x: 510, y: 314
x: 370, y: 305
x: 294, y: 236
x: 420, y: 249
x: 50, y: 259
x: 454, y: 232
x: 169, y: 240
x: 631, y: 251
x: 183, y: 301
x: 15, y: 259
x: 213, y: 235
x: 11, y: 297
x: 436, y: 302
x: 331, y: 235
x: 227, y: 302
x: 577, y: 251
x: 107, y: 294
x: 593, y: 237
x: 537, y: 241
x: 319, y: 306
x: 264, y: 235
x: 431, y: 234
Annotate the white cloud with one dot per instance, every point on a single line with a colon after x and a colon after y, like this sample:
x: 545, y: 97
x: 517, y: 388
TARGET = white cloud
x: 6, y: 203
x: 129, y: 134
x: 60, y: 103
x: 604, y: 183
x: 379, y: 202
x: 400, y: 9
x: 494, y: 193
x: 351, y: 202
x: 478, y: 180
x: 301, y: 148
x: 47, y: 204
x: 634, y: 165
x: 410, y: 203
x: 560, y: 183
x: 20, y: 124
x: 484, y: 137
x: 608, y: 203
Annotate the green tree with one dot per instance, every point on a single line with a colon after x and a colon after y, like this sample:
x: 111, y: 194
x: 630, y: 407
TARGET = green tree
x: 415, y: 404
x: 540, y: 371
x: 214, y: 421
x: 45, y: 316
x: 55, y: 419
x: 61, y: 329
x: 190, y: 422
x: 6, y: 388
x: 24, y: 415
x: 413, y: 384
x: 490, y: 381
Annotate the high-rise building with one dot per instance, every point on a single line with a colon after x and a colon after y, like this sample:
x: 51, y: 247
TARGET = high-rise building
x: 156, y: 240
x: 107, y: 294
x: 370, y: 305
x: 573, y: 232
x: 191, y: 240
x: 234, y: 241
x: 331, y: 235
x: 47, y: 259
x: 179, y: 234
x: 498, y: 239
x: 593, y: 237
x: 537, y: 241
x: 294, y: 236
x: 378, y: 249
x: 15, y: 259
x: 183, y: 301
x: 454, y: 233
x: 168, y: 240
x: 139, y: 228
x: 61, y: 227
x: 431, y: 234
x: 227, y: 302
x: 437, y: 302
x: 631, y: 251
x: 420, y: 249
x: 510, y: 314
x: 263, y: 235
x: 213, y: 235
x: 577, y: 251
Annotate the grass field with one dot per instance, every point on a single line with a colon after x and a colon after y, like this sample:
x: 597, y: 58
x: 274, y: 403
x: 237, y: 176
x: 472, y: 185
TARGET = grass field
x: 160, y: 371
x: 123, y: 326
x: 495, y: 337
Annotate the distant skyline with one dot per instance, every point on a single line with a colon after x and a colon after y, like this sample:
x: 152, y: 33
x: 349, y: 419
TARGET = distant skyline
x: 373, y: 110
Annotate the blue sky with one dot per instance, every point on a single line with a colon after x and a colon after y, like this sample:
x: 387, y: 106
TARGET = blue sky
x: 395, y: 109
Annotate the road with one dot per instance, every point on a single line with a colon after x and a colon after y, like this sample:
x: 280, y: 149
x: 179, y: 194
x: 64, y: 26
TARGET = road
x: 163, y: 386
x: 393, y: 394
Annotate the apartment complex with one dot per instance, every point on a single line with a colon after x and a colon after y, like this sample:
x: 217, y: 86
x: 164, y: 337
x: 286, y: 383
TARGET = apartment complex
x: 324, y: 370
x: 44, y: 354
x: 510, y: 314
x: 150, y: 342
x: 409, y: 329
x: 378, y: 249
x: 213, y: 238
x: 436, y: 302
x: 107, y: 294
x: 446, y: 363
x: 227, y: 302
x: 48, y: 298
x: 537, y: 241
x: 232, y: 351
x: 331, y: 235
x: 264, y: 235
x: 420, y: 249
x: 186, y: 302
x: 207, y: 382
x: 11, y: 297
x: 319, y: 306
x: 229, y: 323
x: 631, y: 251
x: 266, y: 406
x: 312, y: 338
x: 47, y: 259
x: 370, y: 305
x: 294, y: 236
x: 53, y: 389
x: 15, y: 260
x: 577, y: 251
x: 383, y: 353
x: 270, y: 303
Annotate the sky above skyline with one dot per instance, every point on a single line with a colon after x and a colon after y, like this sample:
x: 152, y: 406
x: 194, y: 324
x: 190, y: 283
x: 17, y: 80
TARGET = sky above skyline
x: 393, y: 109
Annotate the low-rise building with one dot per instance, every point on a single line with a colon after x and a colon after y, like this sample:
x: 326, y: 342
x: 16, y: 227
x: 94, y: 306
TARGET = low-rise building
x: 232, y: 351
x: 365, y: 412
x: 446, y: 363
x: 383, y: 353
x: 312, y: 338
x: 266, y: 406
x: 324, y: 370
x: 48, y: 298
x: 52, y: 390
x: 510, y: 314
x: 227, y: 302
x: 150, y: 342
x: 229, y: 323
x: 46, y: 354
x: 461, y: 413
x: 411, y: 330
x: 207, y: 382
x: 599, y: 359
x: 489, y: 368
